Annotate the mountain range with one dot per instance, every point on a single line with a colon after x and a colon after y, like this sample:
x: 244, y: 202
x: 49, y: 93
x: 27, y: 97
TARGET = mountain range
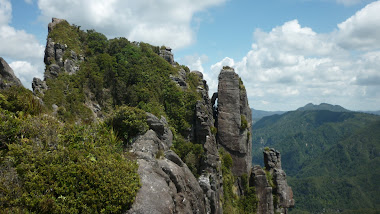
x: 331, y: 156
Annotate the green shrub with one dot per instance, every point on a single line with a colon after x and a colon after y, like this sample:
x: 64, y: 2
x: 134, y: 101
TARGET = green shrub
x: 244, y: 123
x: 214, y: 130
x: 20, y: 99
x: 55, y: 169
x: 128, y: 122
x: 190, y: 153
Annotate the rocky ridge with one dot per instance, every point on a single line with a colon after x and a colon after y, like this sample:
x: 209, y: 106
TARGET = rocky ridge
x: 167, y: 184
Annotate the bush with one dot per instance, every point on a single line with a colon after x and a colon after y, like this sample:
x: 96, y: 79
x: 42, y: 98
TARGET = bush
x: 190, y: 153
x: 128, y: 122
x: 69, y: 172
x: 244, y: 122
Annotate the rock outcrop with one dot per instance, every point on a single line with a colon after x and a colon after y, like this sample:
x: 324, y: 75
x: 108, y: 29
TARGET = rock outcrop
x: 59, y: 57
x: 7, y: 76
x: 167, y: 54
x: 259, y: 180
x: 275, y: 195
x: 234, y: 121
x: 204, y: 133
x: 167, y: 184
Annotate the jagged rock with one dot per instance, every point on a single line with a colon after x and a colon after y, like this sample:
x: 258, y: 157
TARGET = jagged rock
x: 39, y: 86
x: 161, y: 127
x: 53, y: 23
x: 54, y: 56
x: 272, y: 159
x: 204, y: 121
x: 168, y: 186
x: 167, y: 55
x: 234, y: 121
x: 259, y: 180
x: 272, y: 162
x: 7, y: 76
x: 180, y: 79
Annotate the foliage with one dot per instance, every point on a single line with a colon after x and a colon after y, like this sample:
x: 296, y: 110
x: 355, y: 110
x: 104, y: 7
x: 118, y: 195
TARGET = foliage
x: 244, y: 122
x: 232, y: 203
x: 64, y: 33
x: 190, y: 153
x: 50, y: 167
x: 19, y: 99
x: 214, y: 130
x: 128, y: 122
x: 321, y: 148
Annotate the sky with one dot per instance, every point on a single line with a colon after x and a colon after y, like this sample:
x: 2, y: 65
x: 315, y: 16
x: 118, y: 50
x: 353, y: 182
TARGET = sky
x: 287, y: 52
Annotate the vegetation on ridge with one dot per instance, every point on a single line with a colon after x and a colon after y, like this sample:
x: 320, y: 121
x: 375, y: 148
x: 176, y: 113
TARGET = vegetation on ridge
x: 56, y: 158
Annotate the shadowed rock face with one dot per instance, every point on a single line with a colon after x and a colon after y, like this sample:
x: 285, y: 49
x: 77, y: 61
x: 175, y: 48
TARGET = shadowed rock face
x: 234, y: 121
x: 272, y: 161
x: 259, y: 180
x: 7, y: 76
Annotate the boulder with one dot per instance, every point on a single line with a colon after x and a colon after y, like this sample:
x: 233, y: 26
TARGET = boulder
x: 7, y: 76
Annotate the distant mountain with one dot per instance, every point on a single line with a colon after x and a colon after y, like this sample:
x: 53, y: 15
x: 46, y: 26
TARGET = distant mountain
x: 371, y: 112
x: 258, y: 114
x: 332, y: 158
x: 323, y: 106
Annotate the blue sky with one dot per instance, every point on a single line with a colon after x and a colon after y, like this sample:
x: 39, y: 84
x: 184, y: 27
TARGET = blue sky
x: 288, y: 53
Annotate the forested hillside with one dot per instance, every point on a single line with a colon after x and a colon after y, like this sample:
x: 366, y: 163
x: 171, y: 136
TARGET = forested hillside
x: 331, y: 158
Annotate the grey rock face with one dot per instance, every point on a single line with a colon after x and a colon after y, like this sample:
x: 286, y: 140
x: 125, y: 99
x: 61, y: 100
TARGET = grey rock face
x: 263, y: 190
x: 204, y: 121
x: 39, y: 86
x: 168, y: 186
x: 167, y: 55
x: 53, y: 23
x: 7, y: 76
x: 284, y: 193
x: 272, y: 159
x: 234, y: 121
x: 180, y: 79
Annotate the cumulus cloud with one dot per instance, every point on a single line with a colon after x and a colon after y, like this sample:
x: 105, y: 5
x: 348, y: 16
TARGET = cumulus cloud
x: 162, y: 22
x: 25, y: 71
x: 292, y: 65
x: 22, y: 49
x: 362, y: 30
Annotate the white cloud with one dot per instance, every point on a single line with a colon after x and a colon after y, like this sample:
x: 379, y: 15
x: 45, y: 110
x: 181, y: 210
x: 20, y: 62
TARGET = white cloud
x: 25, y: 71
x: 362, y: 30
x: 162, y: 22
x: 23, y: 49
x: 292, y: 65
x: 5, y: 12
